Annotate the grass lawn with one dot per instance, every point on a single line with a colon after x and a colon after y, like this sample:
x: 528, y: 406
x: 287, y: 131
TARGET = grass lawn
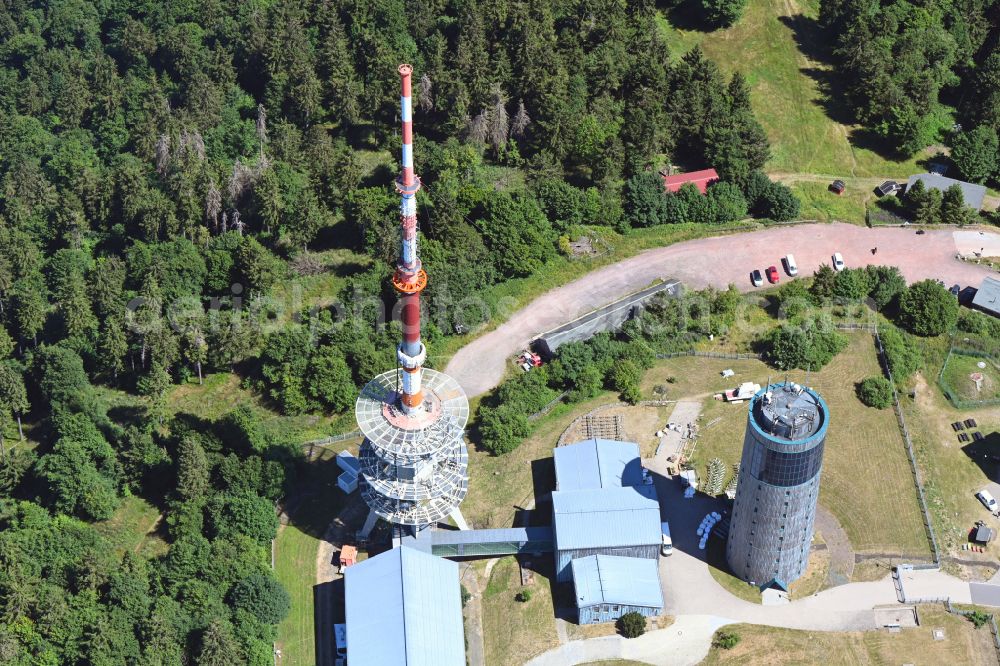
x: 311, y: 508
x: 129, y: 528
x: 295, y: 568
x: 514, y: 631
x: 819, y: 203
x: 952, y: 471
x: 780, y: 49
x: 866, y: 478
x: 957, y: 377
x: 962, y: 644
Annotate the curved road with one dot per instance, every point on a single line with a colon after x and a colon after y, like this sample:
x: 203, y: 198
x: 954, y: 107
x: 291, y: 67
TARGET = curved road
x: 717, y: 262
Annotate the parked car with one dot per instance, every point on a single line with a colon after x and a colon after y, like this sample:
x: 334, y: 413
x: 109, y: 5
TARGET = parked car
x: 838, y: 261
x: 788, y: 262
x: 955, y: 289
x: 772, y: 274
x: 666, y: 543
x: 986, y: 498
x: 756, y: 279
x: 838, y: 187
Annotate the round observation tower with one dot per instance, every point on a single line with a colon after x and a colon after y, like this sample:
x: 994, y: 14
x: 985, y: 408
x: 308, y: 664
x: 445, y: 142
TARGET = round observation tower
x: 414, y: 462
x: 771, y: 528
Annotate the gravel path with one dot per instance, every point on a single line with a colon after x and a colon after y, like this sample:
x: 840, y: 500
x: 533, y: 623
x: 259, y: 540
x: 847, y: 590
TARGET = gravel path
x: 839, y: 546
x: 717, y: 261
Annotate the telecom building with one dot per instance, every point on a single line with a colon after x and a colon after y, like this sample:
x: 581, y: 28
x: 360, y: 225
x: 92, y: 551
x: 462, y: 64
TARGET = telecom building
x: 601, y: 505
x: 414, y: 461
x: 771, y: 526
x: 404, y: 607
x: 608, y: 587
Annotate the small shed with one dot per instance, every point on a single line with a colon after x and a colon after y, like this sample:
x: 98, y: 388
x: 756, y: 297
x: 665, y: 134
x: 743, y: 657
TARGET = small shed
x: 608, y: 586
x: 983, y: 534
x: 887, y: 188
x: 348, y: 557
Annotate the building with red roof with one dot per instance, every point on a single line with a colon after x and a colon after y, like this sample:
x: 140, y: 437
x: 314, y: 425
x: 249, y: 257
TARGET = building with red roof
x: 701, y: 179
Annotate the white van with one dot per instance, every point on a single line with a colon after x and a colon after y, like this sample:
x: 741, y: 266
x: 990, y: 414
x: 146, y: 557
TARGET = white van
x: 790, y: 266
x: 667, y: 544
x: 987, y: 500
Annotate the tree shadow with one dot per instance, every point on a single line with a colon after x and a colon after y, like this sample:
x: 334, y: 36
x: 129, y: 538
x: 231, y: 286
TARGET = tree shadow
x: 812, y: 42
x: 986, y: 454
x: 688, y: 15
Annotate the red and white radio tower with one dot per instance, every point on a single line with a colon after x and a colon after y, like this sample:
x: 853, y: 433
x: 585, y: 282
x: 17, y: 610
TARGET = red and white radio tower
x: 414, y: 462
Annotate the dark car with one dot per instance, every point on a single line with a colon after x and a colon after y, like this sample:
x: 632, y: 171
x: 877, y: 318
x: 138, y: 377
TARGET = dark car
x: 772, y: 274
x: 921, y: 232
x: 838, y: 186
x: 955, y: 289
x: 756, y: 279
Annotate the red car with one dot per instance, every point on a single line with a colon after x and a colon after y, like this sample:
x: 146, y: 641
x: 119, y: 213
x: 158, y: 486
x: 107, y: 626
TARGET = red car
x: 772, y: 275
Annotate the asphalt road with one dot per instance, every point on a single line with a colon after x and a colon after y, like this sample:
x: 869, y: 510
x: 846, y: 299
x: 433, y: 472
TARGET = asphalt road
x: 719, y: 261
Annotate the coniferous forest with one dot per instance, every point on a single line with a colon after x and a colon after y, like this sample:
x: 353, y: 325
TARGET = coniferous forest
x: 165, y: 167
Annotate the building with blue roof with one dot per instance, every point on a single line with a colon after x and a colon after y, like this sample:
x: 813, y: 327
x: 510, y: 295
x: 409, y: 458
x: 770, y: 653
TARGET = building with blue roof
x: 600, y: 505
x: 404, y: 608
x: 608, y: 586
x: 597, y: 463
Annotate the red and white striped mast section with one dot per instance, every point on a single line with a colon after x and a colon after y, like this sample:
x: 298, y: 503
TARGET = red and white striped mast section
x: 413, y: 461
x: 410, y: 278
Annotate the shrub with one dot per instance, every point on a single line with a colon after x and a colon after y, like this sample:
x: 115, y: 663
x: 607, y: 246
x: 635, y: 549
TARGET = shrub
x: 632, y: 625
x: 726, y: 640
x: 502, y: 428
x: 978, y: 618
x: 524, y: 596
x: 903, y: 356
x: 262, y: 596
x: 808, y: 347
x: 927, y: 309
x: 626, y: 381
x: 465, y: 596
x: 875, y: 392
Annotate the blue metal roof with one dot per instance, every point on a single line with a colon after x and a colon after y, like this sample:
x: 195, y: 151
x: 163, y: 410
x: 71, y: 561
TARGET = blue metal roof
x: 609, y: 579
x: 597, y: 463
x: 971, y: 192
x: 606, y: 518
x: 404, y: 608
x: 451, y: 537
x: 988, y: 296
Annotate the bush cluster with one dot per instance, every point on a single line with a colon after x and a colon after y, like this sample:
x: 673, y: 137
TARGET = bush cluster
x: 875, y: 392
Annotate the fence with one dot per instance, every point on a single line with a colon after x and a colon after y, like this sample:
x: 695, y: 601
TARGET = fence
x: 946, y: 602
x: 310, y: 447
x: 977, y: 349
x: 548, y: 407
x: 901, y: 421
x: 722, y: 355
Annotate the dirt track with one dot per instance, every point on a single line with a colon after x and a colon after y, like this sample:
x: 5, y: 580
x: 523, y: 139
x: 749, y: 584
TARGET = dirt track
x: 718, y: 261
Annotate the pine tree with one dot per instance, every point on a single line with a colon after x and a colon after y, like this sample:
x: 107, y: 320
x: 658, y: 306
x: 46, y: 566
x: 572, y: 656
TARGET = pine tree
x: 193, y: 471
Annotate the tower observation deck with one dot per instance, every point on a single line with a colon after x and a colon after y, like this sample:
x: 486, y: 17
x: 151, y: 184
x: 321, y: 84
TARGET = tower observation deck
x: 414, y: 461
